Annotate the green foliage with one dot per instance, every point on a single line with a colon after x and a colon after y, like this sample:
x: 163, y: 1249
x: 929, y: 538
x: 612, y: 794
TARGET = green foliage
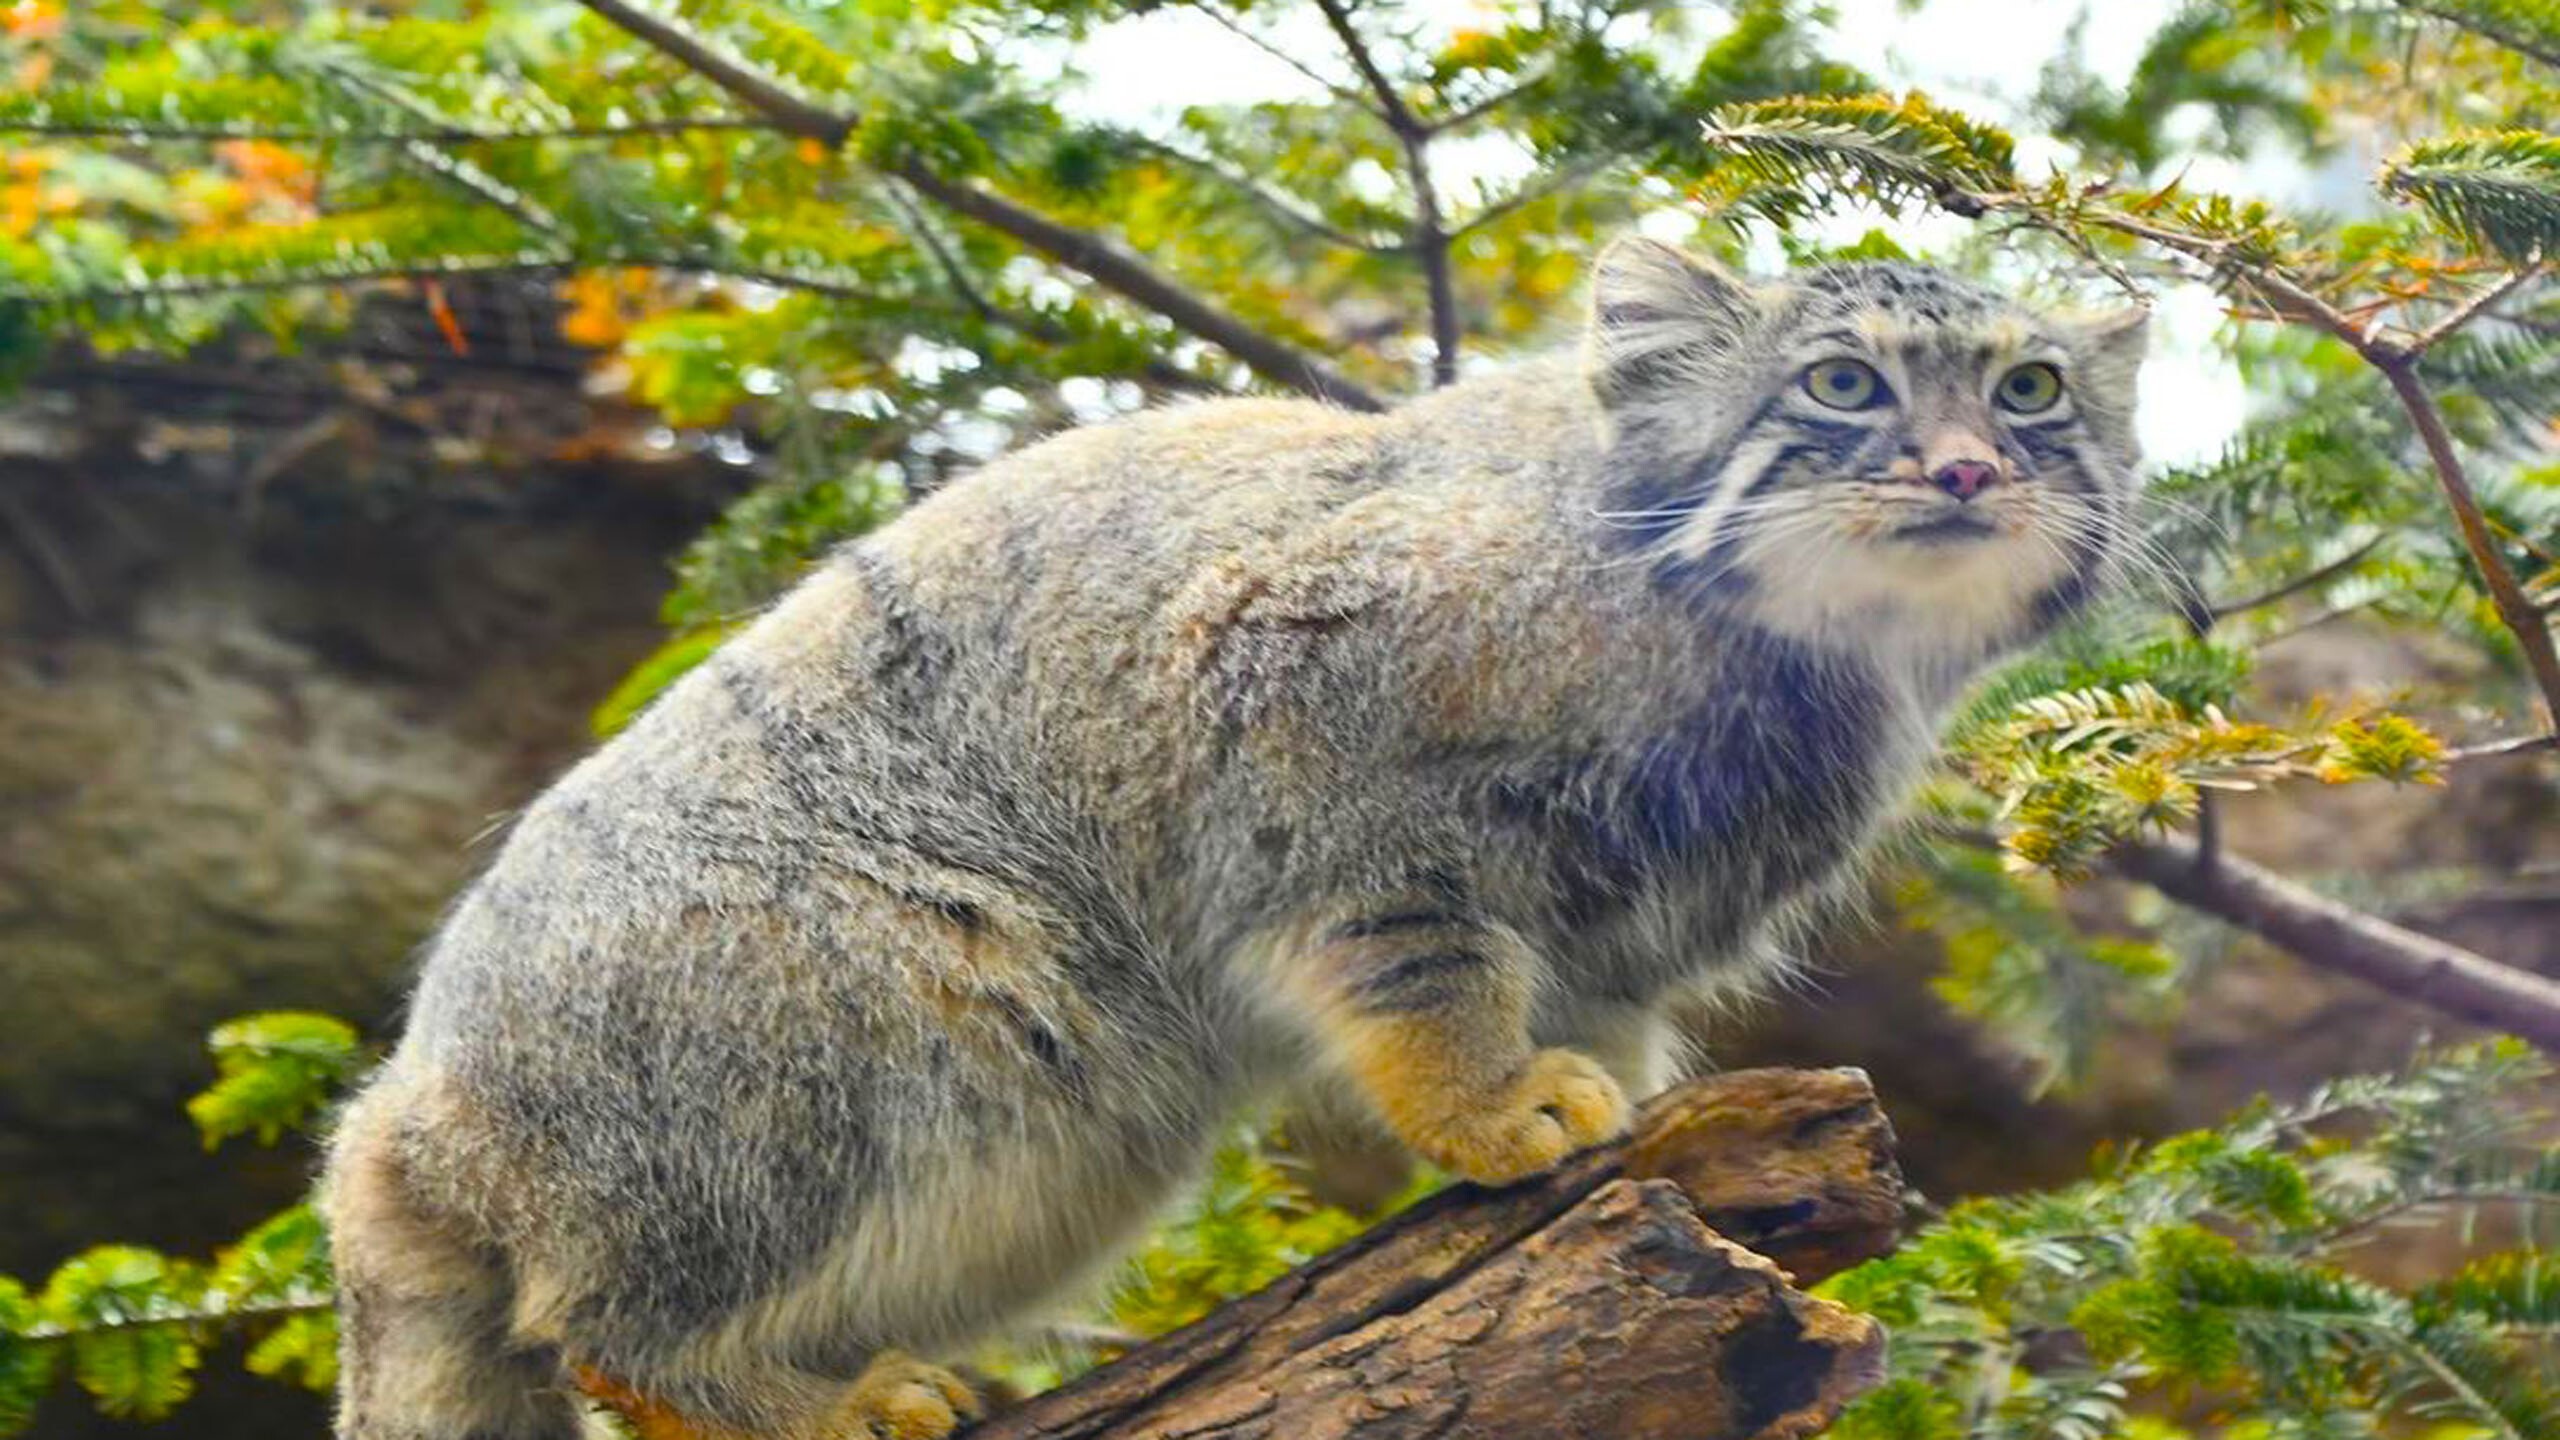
x: 130, y: 1325
x: 274, y: 1072
x: 2221, y: 1263
x: 1248, y: 1225
x: 1790, y: 157
x: 2017, y: 961
x: 2500, y: 190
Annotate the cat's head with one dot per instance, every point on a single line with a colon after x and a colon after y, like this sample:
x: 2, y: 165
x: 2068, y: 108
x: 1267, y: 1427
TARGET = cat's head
x: 1879, y: 454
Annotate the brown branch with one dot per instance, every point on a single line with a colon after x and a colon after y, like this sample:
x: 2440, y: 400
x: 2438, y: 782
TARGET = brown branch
x: 2419, y: 968
x: 1241, y: 31
x: 761, y: 93
x: 2502, y: 749
x: 2218, y: 610
x: 2505, y: 37
x: 1280, y: 207
x: 2472, y: 309
x: 1115, y: 268
x: 434, y: 135
x: 452, y: 169
x: 1610, y: 1300
x: 1162, y: 373
x: 2515, y: 609
x: 231, y: 284
x: 1529, y: 194
x: 1430, y: 236
x: 1477, y: 109
x: 1096, y: 257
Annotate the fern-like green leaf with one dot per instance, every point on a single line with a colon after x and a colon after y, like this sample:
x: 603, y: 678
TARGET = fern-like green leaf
x: 2499, y: 189
x: 1786, y: 156
x: 126, y: 1312
x: 275, y: 1071
x: 27, y: 1360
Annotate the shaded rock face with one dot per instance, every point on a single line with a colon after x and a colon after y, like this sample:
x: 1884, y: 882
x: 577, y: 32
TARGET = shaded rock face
x: 243, y: 759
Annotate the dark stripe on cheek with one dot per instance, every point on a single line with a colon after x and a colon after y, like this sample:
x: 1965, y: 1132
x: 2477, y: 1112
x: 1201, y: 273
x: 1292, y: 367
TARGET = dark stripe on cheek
x: 1829, y: 452
x: 2047, y: 445
x: 1659, y: 501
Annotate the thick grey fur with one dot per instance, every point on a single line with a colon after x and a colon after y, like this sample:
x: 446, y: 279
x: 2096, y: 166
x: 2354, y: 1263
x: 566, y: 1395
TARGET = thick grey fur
x: 888, y: 973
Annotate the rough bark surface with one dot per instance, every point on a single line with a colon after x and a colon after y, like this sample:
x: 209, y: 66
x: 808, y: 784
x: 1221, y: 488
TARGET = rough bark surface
x: 1609, y: 1299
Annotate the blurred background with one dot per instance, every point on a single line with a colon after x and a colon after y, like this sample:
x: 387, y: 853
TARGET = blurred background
x: 396, y: 394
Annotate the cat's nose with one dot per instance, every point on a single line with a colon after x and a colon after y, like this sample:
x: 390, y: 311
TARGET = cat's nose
x: 1964, y: 479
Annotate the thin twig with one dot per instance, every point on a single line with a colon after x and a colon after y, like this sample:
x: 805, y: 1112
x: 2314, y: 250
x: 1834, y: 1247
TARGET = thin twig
x: 1279, y: 206
x: 452, y: 169
x: 2514, y: 607
x: 1475, y: 110
x: 2471, y: 309
x: 2501, y: 749
x: 718, y: 65
x: 2432, y: 972
x: 1163, y: 373
x: 1550, y: 183
x: 2218, y: 610
x: 439, y: 135
x: 2347, y: 1229
x: 1241, y: 31
x: 1098, y: 258
x: 1430, y: 236
x: 1113, y: 266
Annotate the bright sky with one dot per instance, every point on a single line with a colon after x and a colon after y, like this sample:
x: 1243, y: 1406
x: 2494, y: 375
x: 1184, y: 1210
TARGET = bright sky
x: 1981, y: 55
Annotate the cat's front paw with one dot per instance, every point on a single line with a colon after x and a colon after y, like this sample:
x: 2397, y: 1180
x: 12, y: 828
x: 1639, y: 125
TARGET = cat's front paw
x: 1561, y: 1102
x: 902, y: 1398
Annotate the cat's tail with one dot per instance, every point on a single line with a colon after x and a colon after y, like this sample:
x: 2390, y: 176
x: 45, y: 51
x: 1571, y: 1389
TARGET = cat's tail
x: 425, y: 1351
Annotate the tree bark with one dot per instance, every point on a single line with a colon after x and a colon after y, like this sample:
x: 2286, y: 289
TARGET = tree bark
x: 1610, y: 1300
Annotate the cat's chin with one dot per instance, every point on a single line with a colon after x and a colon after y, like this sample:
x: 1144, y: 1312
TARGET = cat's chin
x: 1952, y: 583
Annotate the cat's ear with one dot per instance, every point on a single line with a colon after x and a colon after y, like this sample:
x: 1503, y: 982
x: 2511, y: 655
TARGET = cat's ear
x: 2112, y: 344
x: 1655, y: 308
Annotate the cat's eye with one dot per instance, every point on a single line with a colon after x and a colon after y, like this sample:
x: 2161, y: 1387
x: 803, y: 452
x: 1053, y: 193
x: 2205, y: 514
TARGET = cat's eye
x: 1845, y: 384
x: 2030, y: 388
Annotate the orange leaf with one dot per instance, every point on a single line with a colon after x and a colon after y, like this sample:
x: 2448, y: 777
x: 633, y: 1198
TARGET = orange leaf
x: 31, y: 20
x: 442, y: 310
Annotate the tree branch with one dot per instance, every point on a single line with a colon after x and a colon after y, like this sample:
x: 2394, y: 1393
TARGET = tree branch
x: 433, y: 135
x: 1164, y: 374
x: 2218, y: 610
x: 1281, y: 207
x: 452, y: 169
x: 2503, y: 36
x: 2322, y: 932
x: 1094, y: 256
x: 1430, y: 242
x: 1241, y: 31
x: 1115, y: 268
x: 1475, y: 110
x: 2514, y: 607
x: 1533, y: 192
x: 2472, y: 309
x: 2501, y: 749
x: 1457, y: 1316
x: 713, y: 62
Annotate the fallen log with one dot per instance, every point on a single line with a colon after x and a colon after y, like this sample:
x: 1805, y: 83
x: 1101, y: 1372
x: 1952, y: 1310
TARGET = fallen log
x: 1645, y: 1290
